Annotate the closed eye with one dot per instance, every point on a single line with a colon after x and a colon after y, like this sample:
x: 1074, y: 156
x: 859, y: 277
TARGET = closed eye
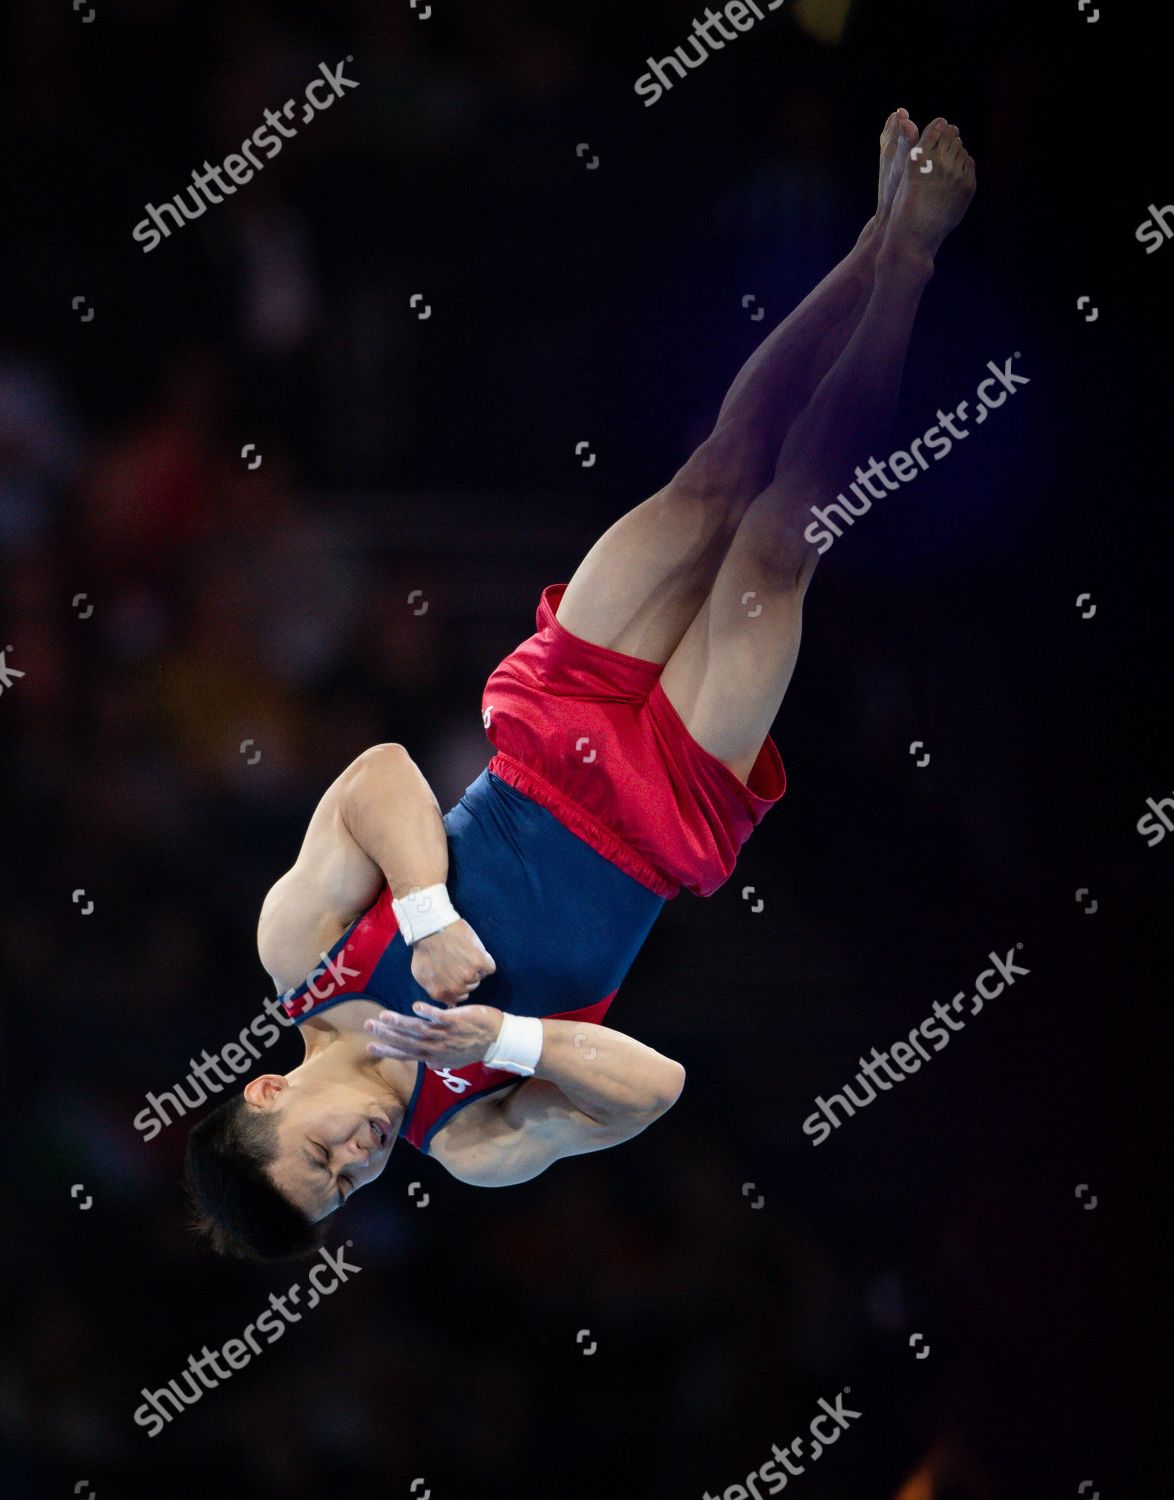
x: 342, y: 1177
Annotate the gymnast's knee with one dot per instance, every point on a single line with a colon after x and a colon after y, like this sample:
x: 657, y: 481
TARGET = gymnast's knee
x: 726, y: 471
x: 770, y: 544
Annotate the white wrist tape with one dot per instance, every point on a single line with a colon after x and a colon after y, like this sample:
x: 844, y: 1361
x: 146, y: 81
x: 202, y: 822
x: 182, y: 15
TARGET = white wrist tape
x: 517, y: 1046
x: 422, y: 912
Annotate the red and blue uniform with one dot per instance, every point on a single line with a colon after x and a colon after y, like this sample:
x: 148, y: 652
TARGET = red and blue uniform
x: 596, y: 807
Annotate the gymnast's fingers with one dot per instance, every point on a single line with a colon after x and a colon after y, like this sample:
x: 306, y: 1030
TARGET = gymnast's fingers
x: 492, y: 969
x: 433, y: 1016
x: 419, y: 1024
x: 391, y: 1027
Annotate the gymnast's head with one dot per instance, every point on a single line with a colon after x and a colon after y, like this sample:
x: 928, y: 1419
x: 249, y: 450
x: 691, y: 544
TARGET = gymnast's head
x: 266, y: 1169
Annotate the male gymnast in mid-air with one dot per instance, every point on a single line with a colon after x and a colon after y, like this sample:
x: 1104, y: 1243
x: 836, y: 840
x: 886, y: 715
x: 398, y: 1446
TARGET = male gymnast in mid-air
x: 632, y: 758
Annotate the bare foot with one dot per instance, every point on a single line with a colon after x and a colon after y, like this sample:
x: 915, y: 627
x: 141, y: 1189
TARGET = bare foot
x: 935, y: 191
x: 898, y: 136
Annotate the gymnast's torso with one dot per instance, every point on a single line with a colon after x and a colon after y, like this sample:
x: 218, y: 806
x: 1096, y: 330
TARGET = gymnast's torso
x: 563, y: 924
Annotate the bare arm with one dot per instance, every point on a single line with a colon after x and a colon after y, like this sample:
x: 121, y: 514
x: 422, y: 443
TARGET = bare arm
x: 378, y: 822
x: 593, y: 1087
x: 393, y: 817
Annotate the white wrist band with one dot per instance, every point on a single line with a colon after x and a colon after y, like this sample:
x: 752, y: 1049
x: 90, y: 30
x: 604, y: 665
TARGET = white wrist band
x: 517, y: 1046
x: 422, y: 912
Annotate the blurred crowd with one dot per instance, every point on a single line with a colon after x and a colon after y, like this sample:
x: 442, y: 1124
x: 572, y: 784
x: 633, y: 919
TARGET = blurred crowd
x: 175, y: 607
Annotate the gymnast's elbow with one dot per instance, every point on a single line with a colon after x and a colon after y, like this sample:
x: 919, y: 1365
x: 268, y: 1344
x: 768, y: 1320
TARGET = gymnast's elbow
x: 390, y: 754
x: 665, y: 1087
x: 640, y: 1101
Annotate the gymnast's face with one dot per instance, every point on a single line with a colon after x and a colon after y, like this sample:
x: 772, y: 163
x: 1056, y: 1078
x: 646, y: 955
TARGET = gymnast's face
x: 333, y: 1139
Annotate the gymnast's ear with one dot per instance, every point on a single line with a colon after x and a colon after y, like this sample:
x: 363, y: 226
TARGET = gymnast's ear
x: 265, y: 1090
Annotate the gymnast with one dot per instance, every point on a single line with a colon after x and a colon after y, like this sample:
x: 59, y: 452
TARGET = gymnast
x: 632, y: 759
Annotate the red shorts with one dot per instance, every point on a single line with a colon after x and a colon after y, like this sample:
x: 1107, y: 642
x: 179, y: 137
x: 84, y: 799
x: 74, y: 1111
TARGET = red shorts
x: 589, y: 734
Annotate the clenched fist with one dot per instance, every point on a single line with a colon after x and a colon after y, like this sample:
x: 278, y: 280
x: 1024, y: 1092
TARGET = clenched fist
x: 449, y: 964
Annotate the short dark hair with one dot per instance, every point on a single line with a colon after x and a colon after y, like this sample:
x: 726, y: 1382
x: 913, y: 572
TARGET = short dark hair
x: 234, y: 1202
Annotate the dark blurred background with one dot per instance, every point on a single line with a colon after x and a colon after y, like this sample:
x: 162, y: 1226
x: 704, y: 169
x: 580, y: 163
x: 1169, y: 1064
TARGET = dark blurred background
x: 165, y: 602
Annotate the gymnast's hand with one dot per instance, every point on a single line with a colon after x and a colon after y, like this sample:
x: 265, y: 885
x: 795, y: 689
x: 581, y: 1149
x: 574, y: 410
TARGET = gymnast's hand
x: 441, y: 1038
x: 450, y: 963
